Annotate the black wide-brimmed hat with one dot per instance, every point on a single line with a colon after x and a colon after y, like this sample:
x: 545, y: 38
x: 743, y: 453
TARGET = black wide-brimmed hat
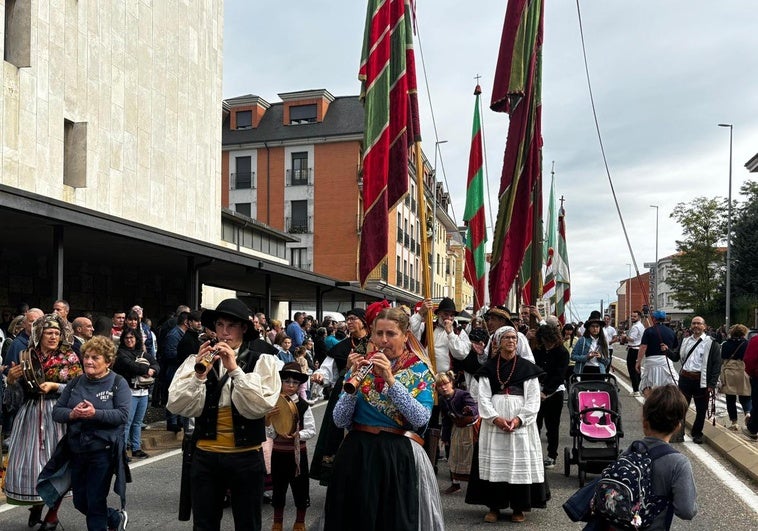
x: 230, y: 308
x: 292, y: 370
x: 594, y: 320
x: 500, y: 311
x: 446, y: 305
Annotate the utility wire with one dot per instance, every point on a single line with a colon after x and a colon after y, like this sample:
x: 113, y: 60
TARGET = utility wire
x: 602, y: 151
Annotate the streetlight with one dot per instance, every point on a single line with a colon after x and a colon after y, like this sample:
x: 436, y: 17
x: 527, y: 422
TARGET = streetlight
x: 655, y: 280
x: 629, y: 299
x: 729, y: 234
x: 434, y: 208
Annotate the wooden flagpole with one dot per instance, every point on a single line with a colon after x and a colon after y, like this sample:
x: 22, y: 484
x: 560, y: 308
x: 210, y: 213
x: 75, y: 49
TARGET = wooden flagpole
x: 425, y: 269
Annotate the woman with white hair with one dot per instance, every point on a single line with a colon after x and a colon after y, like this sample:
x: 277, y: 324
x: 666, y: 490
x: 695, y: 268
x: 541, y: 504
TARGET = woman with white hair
x: 507, y: 470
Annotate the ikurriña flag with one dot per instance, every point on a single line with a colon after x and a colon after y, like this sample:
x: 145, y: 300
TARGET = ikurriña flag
x: 387, y: 72
x: 473, y: 216
x: 517, y: 91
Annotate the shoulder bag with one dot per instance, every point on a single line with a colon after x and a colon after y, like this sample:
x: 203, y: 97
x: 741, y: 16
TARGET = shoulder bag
x: 143, y: 381
x: 734, y: 380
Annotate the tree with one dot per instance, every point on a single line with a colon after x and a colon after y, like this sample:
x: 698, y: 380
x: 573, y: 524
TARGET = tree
x: 697, y: 274
x: 744, y: 249
x: 745, y: 255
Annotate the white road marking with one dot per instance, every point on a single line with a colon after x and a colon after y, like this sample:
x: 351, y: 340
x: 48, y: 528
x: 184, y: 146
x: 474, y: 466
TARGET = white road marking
x: 740, y: 489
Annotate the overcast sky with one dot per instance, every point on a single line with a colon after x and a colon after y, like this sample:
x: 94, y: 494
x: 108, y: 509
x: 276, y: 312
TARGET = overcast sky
x: 664, y: 74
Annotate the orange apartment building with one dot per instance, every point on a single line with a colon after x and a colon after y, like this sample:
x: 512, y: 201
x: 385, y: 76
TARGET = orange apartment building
x: 296, y: 167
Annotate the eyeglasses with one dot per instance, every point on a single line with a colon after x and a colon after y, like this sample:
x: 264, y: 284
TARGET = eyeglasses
x: 291, y: 381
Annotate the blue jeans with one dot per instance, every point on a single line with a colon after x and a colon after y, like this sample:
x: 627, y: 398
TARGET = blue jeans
x: 91, y: 474
x: 133, y: 432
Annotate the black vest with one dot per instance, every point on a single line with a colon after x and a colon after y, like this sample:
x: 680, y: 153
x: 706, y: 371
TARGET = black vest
x: 247, y: 432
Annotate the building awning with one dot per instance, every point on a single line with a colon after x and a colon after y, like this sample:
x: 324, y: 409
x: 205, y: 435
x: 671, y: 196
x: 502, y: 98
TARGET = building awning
x: 32, y: 221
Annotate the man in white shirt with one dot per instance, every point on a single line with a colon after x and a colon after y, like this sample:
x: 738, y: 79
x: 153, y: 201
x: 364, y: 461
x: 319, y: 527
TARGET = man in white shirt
x: 611, y: 335
x: 633, y: 340
x: 447, y: 343
x: 701, y: 368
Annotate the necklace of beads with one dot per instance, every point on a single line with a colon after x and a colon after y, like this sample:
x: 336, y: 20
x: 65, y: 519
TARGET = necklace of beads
x: 504, y: 384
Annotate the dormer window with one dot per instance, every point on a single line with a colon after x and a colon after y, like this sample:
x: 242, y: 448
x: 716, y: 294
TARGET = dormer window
x: 244, y: 119
x: 302, y: 114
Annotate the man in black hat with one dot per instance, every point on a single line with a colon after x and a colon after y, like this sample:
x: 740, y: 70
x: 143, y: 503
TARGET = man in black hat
x: 447, y: 343
x: 228, y: 389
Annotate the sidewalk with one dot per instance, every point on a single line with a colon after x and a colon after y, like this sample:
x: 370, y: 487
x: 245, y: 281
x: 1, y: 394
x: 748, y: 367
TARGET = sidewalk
x: 733, y: 446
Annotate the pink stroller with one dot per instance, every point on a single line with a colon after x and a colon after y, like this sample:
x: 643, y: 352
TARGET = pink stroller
x: 595, y: 416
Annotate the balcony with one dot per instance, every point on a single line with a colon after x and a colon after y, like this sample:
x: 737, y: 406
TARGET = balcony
x: 242, y: 181
x: 399, y: 235
x: 399, y: 279
x: 302, y: 177
x: 407, y: 240
x: 299, y: 225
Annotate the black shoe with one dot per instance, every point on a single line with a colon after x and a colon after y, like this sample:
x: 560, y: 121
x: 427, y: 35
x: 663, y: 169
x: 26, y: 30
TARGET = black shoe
x: 35, y: 513
x: 266, y: 498
x: 139, y: 454
x: 697, y: 439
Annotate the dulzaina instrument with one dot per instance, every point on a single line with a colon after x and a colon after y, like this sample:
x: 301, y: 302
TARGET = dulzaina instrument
x: 285, y: 421
x: 31, y: 369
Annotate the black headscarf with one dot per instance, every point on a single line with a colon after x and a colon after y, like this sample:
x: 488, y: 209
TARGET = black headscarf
x: 523, y: 371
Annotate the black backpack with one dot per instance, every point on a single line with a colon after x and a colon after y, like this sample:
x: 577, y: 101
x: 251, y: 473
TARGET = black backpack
x: 624, y: 493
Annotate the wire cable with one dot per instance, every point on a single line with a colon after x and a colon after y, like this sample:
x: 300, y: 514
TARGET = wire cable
x: 605, y: 160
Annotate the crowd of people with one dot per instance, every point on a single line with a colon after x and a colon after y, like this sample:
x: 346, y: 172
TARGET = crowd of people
x: 227, y: 376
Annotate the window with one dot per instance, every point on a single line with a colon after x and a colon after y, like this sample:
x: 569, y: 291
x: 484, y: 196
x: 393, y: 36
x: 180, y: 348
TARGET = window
x: 299, y: 217
x: 299, y: 257
x: 75, y: 154
x: 244, y: 119
x: 242, y: 178
x: 18, y: 33
x: 303, y: 114
x: 299, y: 175
x: 242, y: 208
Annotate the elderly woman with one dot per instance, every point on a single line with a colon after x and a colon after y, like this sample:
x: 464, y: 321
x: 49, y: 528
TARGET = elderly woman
x: 131, y: 362
x: 382, y: 477
x: 35, y: 434
x: 734, y: 349
x: 95, y: 408
x: 508, y: 471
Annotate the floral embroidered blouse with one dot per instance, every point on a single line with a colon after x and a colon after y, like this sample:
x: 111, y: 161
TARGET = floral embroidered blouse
x: 60, y: 367
x: 407, y: 404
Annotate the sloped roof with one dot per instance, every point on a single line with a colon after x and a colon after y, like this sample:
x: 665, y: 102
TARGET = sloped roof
x: 343, y: 117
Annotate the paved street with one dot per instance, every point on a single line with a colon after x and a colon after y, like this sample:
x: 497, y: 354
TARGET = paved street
x: 727, y: 498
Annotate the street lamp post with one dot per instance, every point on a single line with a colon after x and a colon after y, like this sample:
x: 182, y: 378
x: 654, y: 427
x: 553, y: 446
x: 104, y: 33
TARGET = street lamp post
x: 729, y: 234
x: 655, y: 280
x: 434, y: 208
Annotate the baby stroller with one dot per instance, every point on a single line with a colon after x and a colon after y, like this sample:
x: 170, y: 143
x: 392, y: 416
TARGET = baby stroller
x: 595, y: 418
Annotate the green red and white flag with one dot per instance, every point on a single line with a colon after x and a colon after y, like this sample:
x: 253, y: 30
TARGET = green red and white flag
x: 473, y: 216
x: 551, y: 243
x: 561, y: 270
x: 389, y: 94
x: 517, y: 91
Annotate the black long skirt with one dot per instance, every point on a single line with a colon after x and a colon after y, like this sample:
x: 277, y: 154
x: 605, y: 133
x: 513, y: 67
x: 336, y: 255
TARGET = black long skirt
x: 374, y: 486
x: 501, y: 495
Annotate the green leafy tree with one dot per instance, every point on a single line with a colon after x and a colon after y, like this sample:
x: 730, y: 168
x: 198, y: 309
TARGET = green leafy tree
x: 745, y: 256
x: 697, y: 274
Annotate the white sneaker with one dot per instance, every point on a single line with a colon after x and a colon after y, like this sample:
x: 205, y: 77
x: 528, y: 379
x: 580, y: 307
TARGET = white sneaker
x: 549, y: 462
x: 636, y: 394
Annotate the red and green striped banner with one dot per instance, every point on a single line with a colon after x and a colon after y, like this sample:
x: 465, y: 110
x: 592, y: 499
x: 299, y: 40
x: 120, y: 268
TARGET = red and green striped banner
x: 476, y: 234
x: 517, y: 91
x: 561, y: 267
x: 388, y: 91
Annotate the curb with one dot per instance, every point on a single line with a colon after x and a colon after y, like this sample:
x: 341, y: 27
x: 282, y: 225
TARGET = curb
x: 733, y: 446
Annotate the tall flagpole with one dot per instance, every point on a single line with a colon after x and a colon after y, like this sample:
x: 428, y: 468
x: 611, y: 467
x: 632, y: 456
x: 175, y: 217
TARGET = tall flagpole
x: 426, y: 273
